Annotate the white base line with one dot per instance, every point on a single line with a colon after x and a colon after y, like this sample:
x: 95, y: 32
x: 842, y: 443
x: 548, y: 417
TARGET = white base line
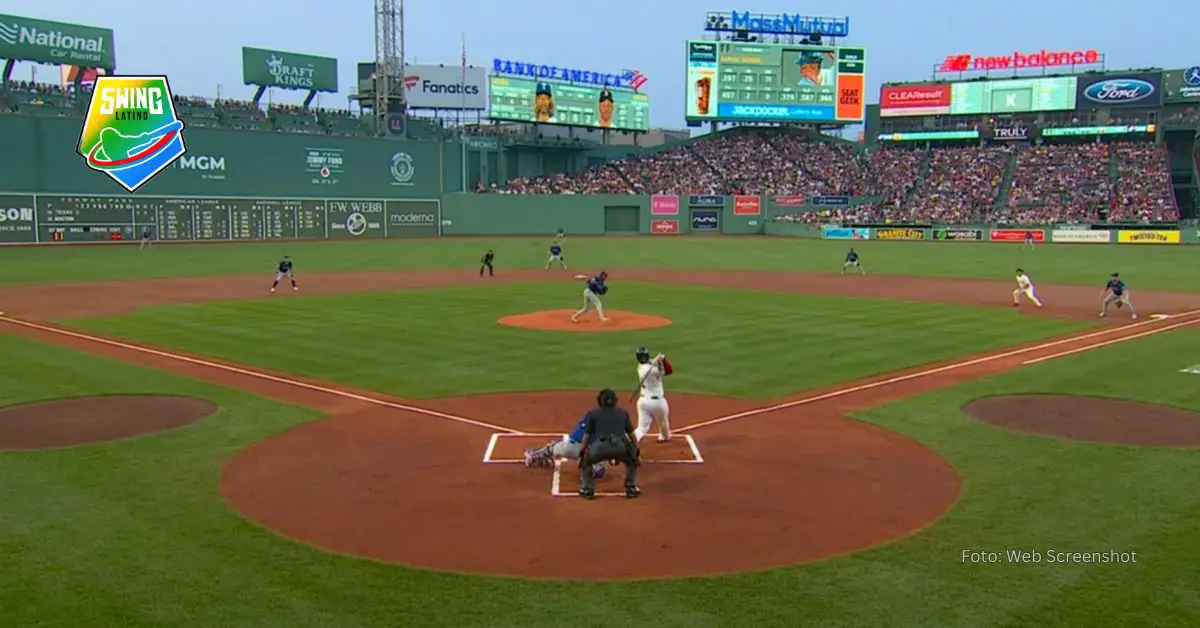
x: 1108, y: 342
x: 695, y: 450
x: 918, y: 374
x: 556, y: 479
x: 491, y: 447
x: 259, y: 375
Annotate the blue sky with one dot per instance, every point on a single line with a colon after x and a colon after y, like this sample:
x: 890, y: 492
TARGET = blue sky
x: 198, y: 44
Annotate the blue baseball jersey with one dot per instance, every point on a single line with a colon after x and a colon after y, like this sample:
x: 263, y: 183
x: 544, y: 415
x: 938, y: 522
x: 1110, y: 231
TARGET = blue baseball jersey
x: 596, y: 284
x: 576, y: 435
x: 852, y: 257
x: 555, y: 249
x: 1116, y: 286
x: 285, y: 265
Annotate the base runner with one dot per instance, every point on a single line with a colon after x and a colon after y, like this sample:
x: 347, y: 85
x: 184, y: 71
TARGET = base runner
x: 1025, y: 289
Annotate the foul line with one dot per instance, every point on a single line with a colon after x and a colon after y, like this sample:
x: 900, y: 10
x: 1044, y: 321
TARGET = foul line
x: 1108, y: 342
x: 260, y: 375
x: 943, y: 369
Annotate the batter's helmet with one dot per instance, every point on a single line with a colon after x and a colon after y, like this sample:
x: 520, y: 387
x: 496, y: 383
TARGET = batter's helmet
x: 642, y: 354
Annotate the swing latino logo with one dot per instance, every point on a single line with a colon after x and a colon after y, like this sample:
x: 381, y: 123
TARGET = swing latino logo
x: 131, y: 132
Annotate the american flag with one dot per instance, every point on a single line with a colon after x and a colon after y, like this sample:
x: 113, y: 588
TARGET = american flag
x: 636, y: 78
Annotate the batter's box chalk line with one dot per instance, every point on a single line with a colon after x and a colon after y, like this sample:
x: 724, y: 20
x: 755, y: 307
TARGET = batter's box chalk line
x: 556, y: 478
x: 490, y: 450
x: 1195, y: 370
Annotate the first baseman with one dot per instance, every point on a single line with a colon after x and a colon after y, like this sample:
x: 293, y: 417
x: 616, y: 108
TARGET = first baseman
x: 595, y: 287
x: 853, y: 262
x: 1025, y: 288
x: 570, y: 447
x: 284, y: 270
x: 1116, y: 292
x: 652, y: 399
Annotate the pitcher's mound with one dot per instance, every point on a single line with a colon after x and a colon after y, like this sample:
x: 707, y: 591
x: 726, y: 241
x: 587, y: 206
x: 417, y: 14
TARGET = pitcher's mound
x: 1094, y: 419
x: 84, y: 420
x: 560, y: 320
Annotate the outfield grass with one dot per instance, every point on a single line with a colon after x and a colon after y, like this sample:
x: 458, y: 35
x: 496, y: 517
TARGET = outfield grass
x: 134, y: 533
x: 1144, y: 267
x: 432, y: 343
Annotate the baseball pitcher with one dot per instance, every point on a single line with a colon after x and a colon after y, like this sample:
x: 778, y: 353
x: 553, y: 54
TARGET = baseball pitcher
x: 595, y: 287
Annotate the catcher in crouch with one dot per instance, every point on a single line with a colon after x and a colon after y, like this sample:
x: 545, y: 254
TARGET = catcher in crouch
x: 570, y: 447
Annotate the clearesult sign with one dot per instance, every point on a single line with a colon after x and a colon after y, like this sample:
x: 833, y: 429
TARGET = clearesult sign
x: 899, y: 234
x: 1078, y: 236
x: 56, y: 43
x: 957, y: 234
x: 289, y: 70
x: 1148, y: 237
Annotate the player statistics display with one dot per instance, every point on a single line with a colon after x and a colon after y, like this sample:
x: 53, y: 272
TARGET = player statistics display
x: 550, y: 102
x: 774, y: 82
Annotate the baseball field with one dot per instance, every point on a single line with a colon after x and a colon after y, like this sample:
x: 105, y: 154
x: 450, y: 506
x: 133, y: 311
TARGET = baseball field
x: 180, y: 447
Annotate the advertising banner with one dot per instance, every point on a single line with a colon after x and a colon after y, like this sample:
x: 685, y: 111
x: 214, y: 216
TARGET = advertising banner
x: 831, y: 200
x: 664, y: 205
x: 899, y: 234
x: 406, y: 219
x: 1016, y: 235
x: 957, y: 234
x: 1179, y: 85
x: 929, y: 135
x: 1019, y: 132
x: 443, y: 87
x: 1080, y: 237
x: 1141, y: 89
x: 792, y: 200
x: 532, y: 100
x: 663, y: 227
x: 746, y: 205
x: 1099, y: 130
x: 1148, y: 237
x: 706, y: 201
x: 914, y: 100
x: 56, y: 43
x: 845, y: 233
x: 289, y: 70
x: 706, y: 220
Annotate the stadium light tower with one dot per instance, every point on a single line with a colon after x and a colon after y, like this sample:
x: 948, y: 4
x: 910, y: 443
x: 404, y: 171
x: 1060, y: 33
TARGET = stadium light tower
x: 389, y: 61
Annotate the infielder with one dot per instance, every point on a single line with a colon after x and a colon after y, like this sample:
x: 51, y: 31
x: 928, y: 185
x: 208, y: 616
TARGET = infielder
x: 595, y: 287
x: 852, y: 262
x: 569, y: 447
x: 556, y: 255
x: 652, y: 399
x: 1116, y: 292
x: 284, y: 270
x: 1025, y: 288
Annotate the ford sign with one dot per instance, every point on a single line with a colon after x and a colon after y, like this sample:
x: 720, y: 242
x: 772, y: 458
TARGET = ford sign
x: 1117, y: 91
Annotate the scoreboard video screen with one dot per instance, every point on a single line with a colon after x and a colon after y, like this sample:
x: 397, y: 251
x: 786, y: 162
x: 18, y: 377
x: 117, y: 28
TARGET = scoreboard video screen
x: 547, y: 102
x: 738, y: 81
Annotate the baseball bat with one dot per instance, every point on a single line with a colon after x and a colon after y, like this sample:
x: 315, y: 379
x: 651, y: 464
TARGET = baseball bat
x: 641, y: 383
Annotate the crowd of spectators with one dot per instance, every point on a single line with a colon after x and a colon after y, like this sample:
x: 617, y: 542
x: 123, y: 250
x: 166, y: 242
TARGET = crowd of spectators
x: 1057, y: 183
x: 948, y: 184
x: 1143, y: 188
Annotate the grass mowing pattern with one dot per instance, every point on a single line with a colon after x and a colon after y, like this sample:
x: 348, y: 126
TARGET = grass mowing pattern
x: 444, y: 342
x: 135, y: 534
x: 1143, y: 267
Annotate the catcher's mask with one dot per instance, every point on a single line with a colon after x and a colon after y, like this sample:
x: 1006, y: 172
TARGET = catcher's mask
x: 607, y: 398
x: 642, y: 355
